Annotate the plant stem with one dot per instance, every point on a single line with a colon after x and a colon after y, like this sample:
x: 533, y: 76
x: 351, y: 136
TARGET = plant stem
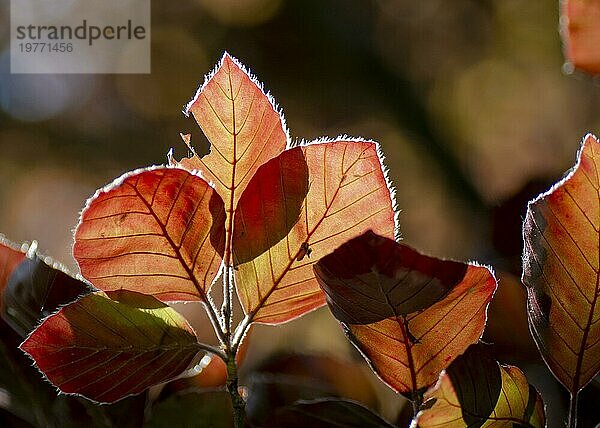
x: 573, y: 410
x: 239, y: 406
x: 416, y: 401
x: 226, y: 309
x: 231, y: 348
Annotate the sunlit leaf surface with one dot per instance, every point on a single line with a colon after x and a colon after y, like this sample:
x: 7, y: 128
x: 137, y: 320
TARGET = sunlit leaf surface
x: 159, y: 231
x: 477, y: 392
x: 407, y: 344
x: 340, y: 191
x: 243, y: 128
x: 560, y: 270
x: 106, y: 350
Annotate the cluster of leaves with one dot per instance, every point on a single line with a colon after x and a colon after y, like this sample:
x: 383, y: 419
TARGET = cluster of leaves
x: 292, y: 227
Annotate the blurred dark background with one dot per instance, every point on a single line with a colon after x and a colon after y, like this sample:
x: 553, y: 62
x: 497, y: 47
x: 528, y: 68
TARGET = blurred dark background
x: 467, y: 98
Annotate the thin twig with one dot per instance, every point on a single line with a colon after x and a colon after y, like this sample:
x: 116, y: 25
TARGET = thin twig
x: 240, y: 332
x: 214, y: 320
x: 212, y: 349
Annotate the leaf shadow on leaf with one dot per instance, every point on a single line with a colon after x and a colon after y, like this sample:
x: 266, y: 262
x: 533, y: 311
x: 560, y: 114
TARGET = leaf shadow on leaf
x: 475, y: 390
x: 371, y: 278
x: 272, y: 203
x: 217, y: 232
x: 477, y: 382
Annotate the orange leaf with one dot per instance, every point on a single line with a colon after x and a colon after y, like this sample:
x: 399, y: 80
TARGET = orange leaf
x: 560, y: 270
x: 304, y: 203
x: 475, y: 391
x: 581, y: 33
x: 408, y: 344
x: 244, y: 130
x: 157, y: 231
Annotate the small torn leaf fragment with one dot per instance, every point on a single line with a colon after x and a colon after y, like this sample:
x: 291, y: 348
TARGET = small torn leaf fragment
x: 158, y: 231
x: 36, y: 290
x: 105, y: 350
x: 560, y: 270
x: 580, y: 29
x: 407, y: 350
x: 347, y: 194
x: 326, y: 413
x: 475, y: 391
x: 244, y: 130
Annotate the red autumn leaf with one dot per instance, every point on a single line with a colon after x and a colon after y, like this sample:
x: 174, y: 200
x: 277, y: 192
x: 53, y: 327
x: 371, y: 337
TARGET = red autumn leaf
x: 244, y: 130
x: 475, y: 391
x: 581, y: 33
x: 158, y: 231
x: 10, y: 257
x: 299, y: 207
x: 560, y: 270
x: 410, y: 315
x: 106, y: 350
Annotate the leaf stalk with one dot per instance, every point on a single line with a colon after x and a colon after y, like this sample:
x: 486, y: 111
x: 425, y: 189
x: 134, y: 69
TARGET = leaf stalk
x: 572, y: 423
x: 226, y: 309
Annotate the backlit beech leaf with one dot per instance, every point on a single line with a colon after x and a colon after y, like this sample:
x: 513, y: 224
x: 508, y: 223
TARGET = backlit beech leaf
x: 475, y: 391
x: 159, y: 232
x: 106, y: 350
x: 242, y: 126
x: 581, y: 33
x: 346, y: 194
x: 407, y: 344
x: 560, y: 270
